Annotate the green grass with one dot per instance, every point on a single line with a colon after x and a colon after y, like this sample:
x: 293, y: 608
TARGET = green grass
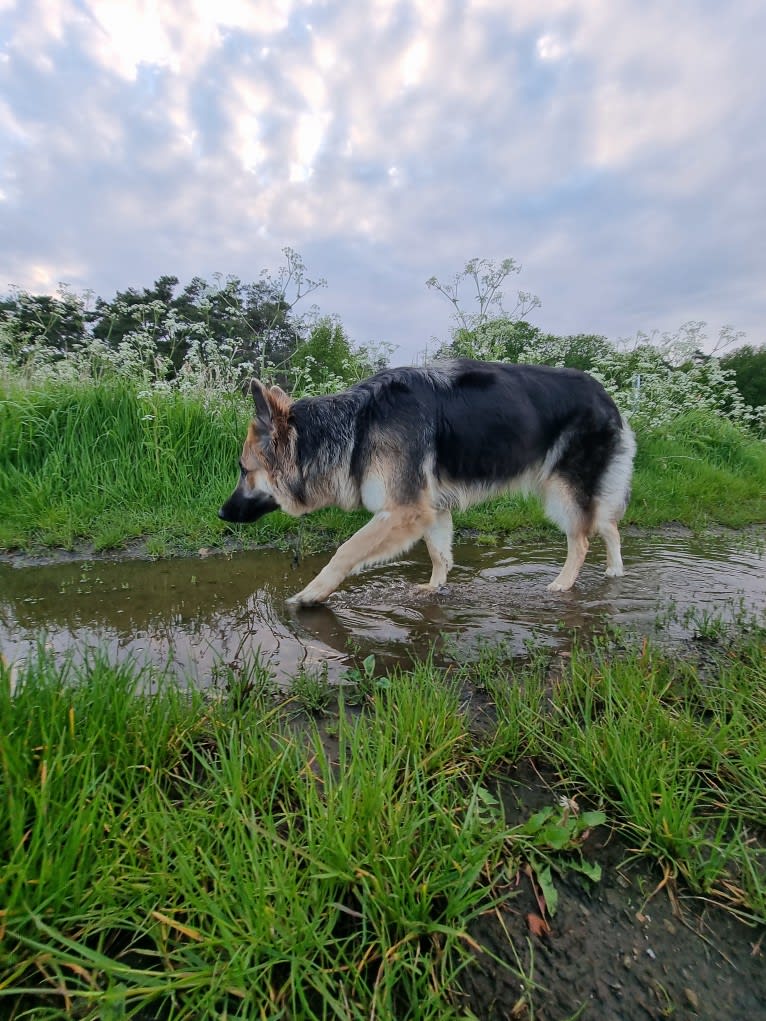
x: 104, y: 465
x: 699, y: 469
x: 163, y: 854
x: 194, y: 860
x: 673, y: 748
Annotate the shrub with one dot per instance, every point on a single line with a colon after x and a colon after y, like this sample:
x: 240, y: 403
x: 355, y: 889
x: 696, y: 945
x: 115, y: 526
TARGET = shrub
x: 748, y: 364
x: 327, y: 361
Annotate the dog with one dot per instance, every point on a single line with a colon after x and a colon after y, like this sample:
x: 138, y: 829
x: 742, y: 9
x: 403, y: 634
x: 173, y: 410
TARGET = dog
x: 409, y: 445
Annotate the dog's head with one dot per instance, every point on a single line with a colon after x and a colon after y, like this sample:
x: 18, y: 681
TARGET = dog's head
x: 255, y: 494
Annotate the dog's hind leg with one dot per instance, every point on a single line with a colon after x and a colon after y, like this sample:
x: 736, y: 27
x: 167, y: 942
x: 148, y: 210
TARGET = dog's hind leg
x: 562, y: 507
x: 611, y: 536
x: 577, y: 548
x: 438, y: 537
x: 614, y: 493
x: 386, y: 534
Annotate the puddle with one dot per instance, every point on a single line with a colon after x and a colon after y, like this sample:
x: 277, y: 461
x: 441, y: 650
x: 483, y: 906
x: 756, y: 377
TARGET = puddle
x: 194, y: 613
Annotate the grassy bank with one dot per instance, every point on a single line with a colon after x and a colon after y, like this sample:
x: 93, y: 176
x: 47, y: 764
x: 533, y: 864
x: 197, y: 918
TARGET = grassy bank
x: 166, y: 855
x: 108, y: 465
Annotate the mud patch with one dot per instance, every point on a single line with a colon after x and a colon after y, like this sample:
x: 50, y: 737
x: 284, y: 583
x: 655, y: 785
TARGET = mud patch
x: 620, y: 948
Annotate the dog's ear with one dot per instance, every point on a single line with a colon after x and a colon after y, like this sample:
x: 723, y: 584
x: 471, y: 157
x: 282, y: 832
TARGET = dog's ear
x: 272, y: 407
x: 263, y: 411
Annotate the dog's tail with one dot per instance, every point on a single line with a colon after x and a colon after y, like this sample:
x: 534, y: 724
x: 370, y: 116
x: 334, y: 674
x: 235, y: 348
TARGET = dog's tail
x: 615, y: 485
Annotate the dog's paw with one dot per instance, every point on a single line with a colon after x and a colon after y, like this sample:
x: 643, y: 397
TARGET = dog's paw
x: 614, y: 572
x: 559, y: 586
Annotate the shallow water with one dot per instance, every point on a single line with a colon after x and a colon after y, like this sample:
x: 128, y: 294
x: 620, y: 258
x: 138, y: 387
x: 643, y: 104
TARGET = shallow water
x: 195, y: 613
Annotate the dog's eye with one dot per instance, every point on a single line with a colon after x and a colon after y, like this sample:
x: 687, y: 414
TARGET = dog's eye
x: 242, y: 469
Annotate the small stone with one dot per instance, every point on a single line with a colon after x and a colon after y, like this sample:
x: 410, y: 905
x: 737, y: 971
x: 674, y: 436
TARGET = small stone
x: 691, y: 998
x: 651, y: 954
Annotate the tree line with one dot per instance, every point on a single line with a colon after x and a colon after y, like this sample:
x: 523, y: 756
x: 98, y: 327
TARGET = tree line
x: 265, y: 326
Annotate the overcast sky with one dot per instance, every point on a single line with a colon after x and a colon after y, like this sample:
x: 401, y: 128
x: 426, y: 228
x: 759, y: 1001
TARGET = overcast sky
x: 616, y: 149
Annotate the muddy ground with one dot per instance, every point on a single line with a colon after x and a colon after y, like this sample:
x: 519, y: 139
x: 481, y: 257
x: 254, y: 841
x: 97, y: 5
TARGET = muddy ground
x: 616, y: 948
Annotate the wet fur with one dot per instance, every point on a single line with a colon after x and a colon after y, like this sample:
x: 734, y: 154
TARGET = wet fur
x: 412, y: 444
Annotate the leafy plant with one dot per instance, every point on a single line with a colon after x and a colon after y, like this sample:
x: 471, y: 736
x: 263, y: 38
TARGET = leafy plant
x: 654, y: 378
x: 485, y: 278
x: 551, y: 841
x: 311, y: 689
x: 361, y: 682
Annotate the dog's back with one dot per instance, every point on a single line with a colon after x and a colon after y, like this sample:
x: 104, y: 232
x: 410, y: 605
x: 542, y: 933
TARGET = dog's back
x: 481, y: 427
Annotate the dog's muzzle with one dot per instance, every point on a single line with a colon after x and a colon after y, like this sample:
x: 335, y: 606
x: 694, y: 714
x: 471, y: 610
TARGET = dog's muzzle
x: 245, y: 509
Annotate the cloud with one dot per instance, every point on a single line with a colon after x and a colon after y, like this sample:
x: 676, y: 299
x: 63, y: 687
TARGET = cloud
x: 615, y: 150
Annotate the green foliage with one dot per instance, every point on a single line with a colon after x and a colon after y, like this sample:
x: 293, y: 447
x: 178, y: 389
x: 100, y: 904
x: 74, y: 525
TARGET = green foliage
x: 169, y: 854
x: 311, y: 690
x: 698, y: 468
x: 111, y: 462
x: 326, y: 361
x: 110, y: 438
x: 748, y: 364
x: 58, y: 321
x: 362, y: 682
x: 673, y: 748
x: 704, y: 731
x: 252, y: 320
x: 515, y: 340
x: 653, y: 379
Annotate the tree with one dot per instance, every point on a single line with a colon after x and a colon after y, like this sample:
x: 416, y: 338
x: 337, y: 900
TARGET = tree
x: 748, y: 364
x: 145, y: 311
x: 56, y: 321
x: 255, y: 322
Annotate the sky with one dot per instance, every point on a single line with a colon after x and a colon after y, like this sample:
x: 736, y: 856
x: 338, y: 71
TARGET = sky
x: 616, y: 149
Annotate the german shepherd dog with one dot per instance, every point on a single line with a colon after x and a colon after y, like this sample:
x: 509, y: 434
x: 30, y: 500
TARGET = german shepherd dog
x: 411, y: 444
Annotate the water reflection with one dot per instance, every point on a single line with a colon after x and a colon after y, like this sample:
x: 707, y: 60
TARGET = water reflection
x: 193, y: 613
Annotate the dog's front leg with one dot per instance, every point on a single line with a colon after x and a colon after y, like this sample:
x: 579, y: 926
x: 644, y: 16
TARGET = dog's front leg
x: 384, y: 536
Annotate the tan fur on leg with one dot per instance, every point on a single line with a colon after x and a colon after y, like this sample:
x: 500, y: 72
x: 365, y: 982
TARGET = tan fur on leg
x: 386, y: 535
x: 577, y: 548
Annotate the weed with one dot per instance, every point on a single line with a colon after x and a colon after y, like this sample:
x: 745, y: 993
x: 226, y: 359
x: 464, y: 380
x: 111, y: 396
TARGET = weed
x: 675, y: 756
x: 361, y: 683
x: 186, y: 856
x: 311, y: 689
x: 706, y: 625
x: 245, y: 680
